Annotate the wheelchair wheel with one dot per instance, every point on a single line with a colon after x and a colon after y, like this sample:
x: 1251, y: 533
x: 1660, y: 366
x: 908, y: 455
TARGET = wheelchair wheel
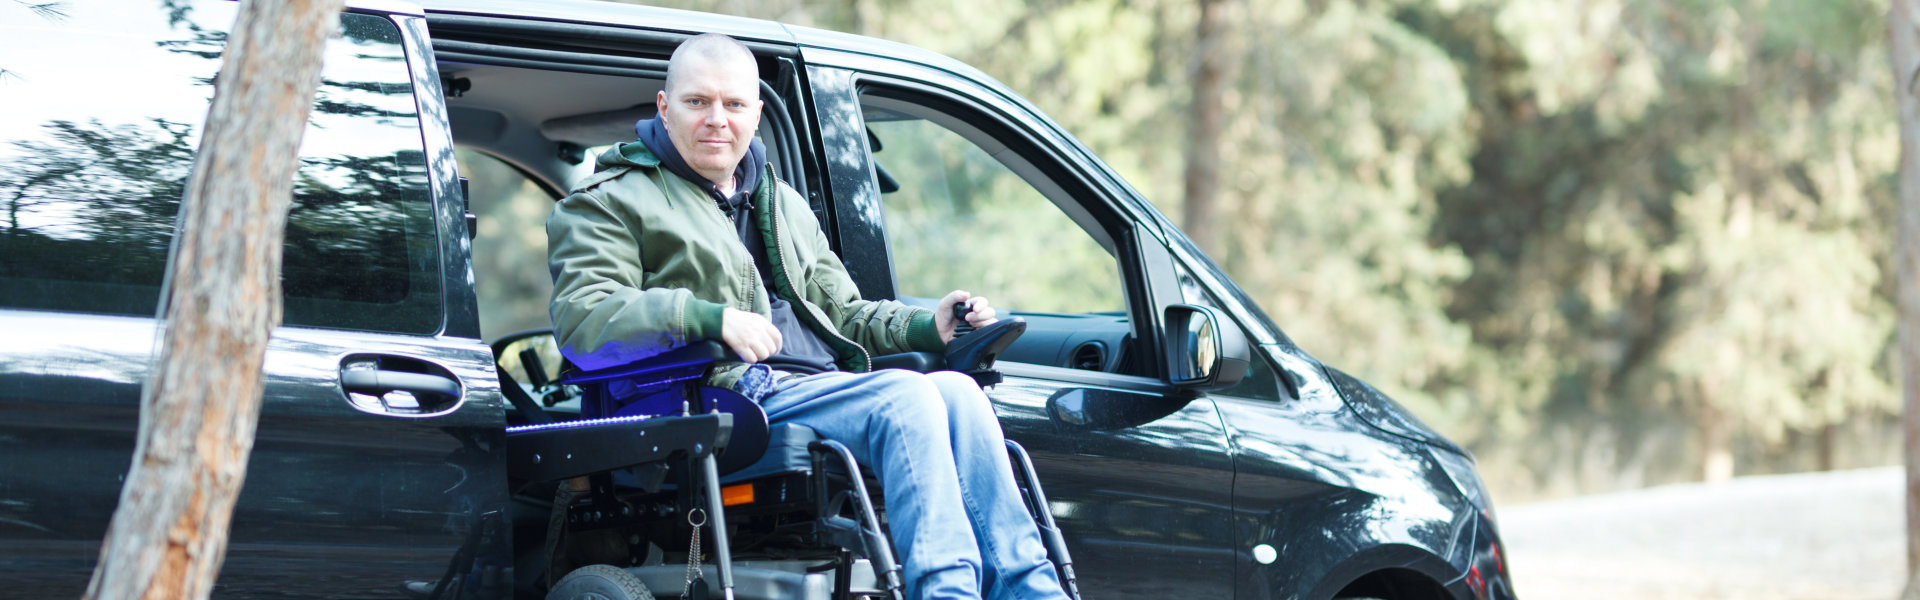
x: 599, y: 582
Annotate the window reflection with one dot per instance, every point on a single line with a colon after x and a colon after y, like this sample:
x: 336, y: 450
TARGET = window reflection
x: 93, y: 162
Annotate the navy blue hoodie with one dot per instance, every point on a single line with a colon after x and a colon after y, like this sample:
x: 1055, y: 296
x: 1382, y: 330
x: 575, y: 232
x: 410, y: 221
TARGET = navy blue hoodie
x: 802, y: 351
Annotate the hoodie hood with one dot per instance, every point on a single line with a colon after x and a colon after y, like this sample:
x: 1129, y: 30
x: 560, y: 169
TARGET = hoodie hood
x: 653, y: 135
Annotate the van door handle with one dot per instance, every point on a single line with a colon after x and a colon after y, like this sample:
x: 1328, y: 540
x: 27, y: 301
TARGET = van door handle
x: 378, y: 383
x: 399, y: 393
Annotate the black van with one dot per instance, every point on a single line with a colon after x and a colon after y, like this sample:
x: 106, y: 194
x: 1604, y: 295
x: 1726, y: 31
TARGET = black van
x: 1295, y: 481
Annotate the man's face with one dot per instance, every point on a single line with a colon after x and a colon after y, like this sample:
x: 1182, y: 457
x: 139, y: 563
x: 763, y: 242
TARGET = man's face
x: 711, y: 113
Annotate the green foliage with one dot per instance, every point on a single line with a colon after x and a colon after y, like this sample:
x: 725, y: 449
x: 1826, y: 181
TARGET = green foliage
x: 1673, y: 206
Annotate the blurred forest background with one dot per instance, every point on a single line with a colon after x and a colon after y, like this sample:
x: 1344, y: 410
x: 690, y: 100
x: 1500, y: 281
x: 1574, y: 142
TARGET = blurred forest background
x: 1604, y: 243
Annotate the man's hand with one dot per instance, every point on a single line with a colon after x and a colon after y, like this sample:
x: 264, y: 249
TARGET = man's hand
x: 981, y: 314
x: 752, y: 336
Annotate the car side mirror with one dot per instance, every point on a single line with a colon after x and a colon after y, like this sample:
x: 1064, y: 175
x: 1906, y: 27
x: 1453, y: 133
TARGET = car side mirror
x: 1205, y: 351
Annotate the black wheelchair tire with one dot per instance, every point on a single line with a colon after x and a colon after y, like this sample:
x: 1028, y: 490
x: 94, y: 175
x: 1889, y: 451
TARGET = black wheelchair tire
x: 599, y: 582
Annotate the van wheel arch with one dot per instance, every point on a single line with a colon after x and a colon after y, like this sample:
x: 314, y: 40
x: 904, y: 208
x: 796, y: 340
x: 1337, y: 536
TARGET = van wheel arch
x: 1393, y: 584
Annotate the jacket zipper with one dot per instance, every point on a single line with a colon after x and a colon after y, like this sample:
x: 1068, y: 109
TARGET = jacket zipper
x: 742, y: 286
x: 773, y: 222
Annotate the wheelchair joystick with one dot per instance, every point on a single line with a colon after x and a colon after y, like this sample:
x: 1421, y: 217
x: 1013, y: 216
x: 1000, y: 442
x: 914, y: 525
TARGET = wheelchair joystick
x: 960, y: 325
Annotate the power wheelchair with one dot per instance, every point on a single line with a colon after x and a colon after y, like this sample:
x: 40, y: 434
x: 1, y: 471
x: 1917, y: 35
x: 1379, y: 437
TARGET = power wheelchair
x: 610, y: 499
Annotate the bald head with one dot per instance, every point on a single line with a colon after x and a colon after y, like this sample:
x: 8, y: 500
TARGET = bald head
x: 711, y: 105
x: 708, y: 51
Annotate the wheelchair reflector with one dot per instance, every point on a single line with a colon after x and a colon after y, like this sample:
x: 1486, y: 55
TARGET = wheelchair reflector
x: 735, y: 495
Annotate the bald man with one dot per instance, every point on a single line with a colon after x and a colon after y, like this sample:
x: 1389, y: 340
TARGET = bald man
x: 686, y: 235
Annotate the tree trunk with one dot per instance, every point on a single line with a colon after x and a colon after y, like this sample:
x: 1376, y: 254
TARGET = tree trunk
x: 1905, y: 51
x: 1200, y: 210
x: 1716, y: 439
x: 200, y: 406
x: 1826, y: 447
x: 855, y: 22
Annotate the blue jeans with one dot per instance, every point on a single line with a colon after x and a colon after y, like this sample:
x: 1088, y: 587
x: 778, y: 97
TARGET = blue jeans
x: 935, y: 444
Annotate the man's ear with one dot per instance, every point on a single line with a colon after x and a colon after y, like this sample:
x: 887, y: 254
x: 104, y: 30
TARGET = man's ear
x: 660, y: 106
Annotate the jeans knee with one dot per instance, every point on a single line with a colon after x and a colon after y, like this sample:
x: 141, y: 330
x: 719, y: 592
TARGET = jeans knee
x: 911, y: 398
x: 966, y: 403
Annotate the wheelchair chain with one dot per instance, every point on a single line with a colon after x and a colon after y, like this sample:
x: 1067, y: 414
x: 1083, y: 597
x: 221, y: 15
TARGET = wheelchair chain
x: 696, y: 586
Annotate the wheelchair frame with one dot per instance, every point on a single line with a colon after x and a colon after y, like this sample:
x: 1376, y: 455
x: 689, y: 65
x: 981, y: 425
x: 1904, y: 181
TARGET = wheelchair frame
x: 682, y: 447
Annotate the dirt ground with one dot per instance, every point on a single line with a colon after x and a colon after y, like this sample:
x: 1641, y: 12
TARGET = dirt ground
x: 1824, y: 536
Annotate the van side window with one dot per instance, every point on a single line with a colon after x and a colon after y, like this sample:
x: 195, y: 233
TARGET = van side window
x: 510, y: 253
x: 960, y: 218
x: 967, y: 205
x: 93, y: 163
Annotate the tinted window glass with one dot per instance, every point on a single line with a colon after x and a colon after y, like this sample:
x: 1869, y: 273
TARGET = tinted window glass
x: 95, y: 153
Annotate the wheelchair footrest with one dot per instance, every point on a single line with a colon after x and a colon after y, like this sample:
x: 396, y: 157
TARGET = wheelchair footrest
x: 554, y: 451
x: 761, y: 580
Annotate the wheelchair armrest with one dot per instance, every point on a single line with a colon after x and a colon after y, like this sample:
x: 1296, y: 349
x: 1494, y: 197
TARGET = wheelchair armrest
x: 557, y: 451
x: 923, y: 362
x: 970, y: 353
x: 695, y: 355
x: 975, y: 352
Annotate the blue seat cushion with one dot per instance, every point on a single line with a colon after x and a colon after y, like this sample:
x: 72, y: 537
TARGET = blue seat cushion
x: 786, y: 453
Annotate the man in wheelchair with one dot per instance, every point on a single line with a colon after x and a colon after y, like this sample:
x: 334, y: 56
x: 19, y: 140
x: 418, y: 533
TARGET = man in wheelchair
x: 686, y: 236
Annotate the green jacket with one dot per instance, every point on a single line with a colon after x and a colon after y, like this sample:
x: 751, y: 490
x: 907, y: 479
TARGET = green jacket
x: 644, y: 262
